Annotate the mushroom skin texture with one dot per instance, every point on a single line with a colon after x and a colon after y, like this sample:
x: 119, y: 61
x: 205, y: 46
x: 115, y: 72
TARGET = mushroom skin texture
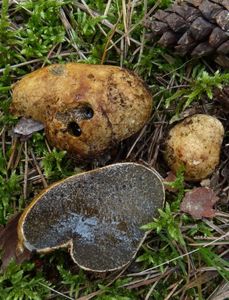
x: 195, y: 143
x: 85, y: 109
x: 96, y: 214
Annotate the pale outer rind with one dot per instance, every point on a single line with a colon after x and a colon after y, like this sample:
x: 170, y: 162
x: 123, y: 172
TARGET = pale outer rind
x: 195, y: 143
x: 23, y: 243
x: 120, y: 101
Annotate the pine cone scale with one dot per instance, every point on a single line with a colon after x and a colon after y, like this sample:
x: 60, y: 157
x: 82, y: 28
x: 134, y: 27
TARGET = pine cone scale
x: 223, y: 3
x: 161, y: 15
x: 168, y: 39
x: 224, y: 48
x: 176, y: 23
x: 200, y: 29
x: 210, y: 10
x: 222, y: 19
x: 217, y: 37
x: 202, y: 49
x: 185, y: 44
x: 195, y: 3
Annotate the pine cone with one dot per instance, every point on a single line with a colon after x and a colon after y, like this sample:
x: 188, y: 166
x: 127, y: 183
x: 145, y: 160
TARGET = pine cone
x: 196, y: 27
x: 222, y: 96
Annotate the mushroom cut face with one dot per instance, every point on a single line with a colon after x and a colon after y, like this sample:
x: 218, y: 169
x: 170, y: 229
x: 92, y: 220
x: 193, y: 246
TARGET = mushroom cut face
x: 97, y: 214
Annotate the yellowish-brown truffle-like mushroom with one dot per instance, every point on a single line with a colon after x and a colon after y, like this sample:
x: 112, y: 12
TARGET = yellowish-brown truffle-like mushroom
x: 195, y: 144
x: 85, y: 109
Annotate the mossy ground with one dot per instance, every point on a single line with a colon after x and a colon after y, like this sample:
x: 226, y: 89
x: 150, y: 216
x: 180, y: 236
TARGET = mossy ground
x: 182, y: 258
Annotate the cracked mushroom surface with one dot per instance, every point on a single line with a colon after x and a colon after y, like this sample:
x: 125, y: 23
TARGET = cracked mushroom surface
x: 96, y: 214
x: 85, y: 109
x: 195, y: 143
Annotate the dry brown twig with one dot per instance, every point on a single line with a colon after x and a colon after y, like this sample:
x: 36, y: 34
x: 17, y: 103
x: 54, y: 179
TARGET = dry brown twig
x: 45, y: 184
x: 25, y: 182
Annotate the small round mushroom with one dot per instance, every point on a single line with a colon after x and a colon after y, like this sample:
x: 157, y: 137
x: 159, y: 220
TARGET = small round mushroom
x: 97, y: 214
x: 195, y: 143
x: 85, y: 109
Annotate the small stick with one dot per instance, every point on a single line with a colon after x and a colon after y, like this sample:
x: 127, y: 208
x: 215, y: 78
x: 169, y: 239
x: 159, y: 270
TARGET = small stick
x: 17, y: 160
x: 107, y: 8
x: 38, y: 169
x: 109, y: 40
x: 3, y: 134
x: 14, y: 149
x: 122, y: 52
x: 137, y: 139
x: 55, y: 291
x: 49, y: 54
x: 143, y: 35
x: 147, y: 297
x: 47, y: 145
x: 25, y: 172
x: 70, y: 33
x: 124, y: 12
x: 173, y: 290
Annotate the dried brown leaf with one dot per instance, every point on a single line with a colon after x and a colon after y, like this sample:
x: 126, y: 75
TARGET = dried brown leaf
x: 26, y: 127
x: 171, y: 177
x: 8, y: 243
x: 199, y: 203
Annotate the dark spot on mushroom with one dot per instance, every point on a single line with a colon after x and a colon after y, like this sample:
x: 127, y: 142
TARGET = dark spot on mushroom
x: 78, y: 96
x: 114, y: 95
x: 91, y: 76
x: 83, y: 112
x: 88, y: 112
x: 57, y: 70
x: 129, y: 82
x: 122, y: 226
x: 187, y: 122
x: 74, y: 129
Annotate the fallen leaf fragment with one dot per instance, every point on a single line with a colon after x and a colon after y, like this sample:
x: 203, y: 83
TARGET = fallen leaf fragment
x: 171, y: 177
x: 199, y: 203
x: 8, y: 244
x: 25, y: 127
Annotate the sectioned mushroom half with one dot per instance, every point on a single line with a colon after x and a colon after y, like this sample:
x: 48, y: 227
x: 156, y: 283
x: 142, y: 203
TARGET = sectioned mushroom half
x: 85, y: 109
x: 96, y: 214
x: 195, y: 143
